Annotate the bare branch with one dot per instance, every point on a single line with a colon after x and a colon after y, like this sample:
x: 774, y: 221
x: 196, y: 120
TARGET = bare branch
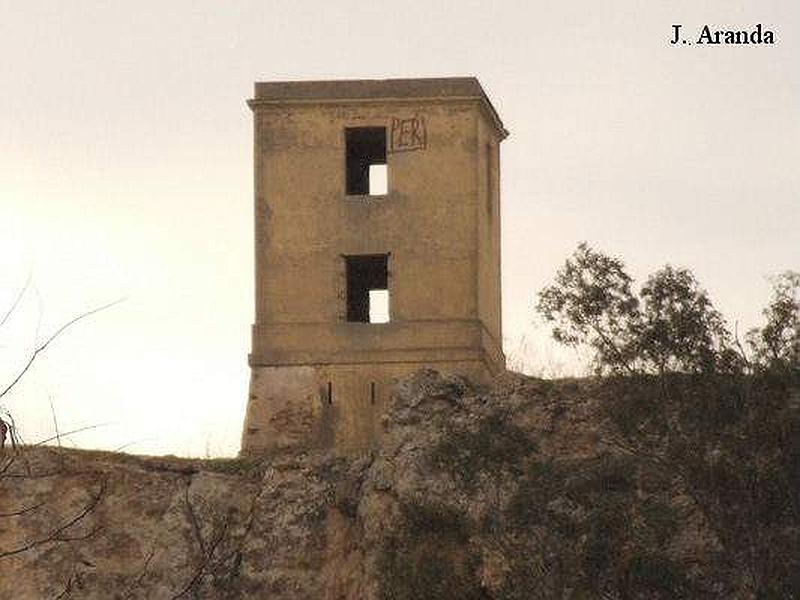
x: 42, y: 347
x: 202, y: 568
x: 79, y: 536
x: 198, y: 534
x: 6, y: 465
x: 16, y: 301
x: 67, y: 591
x: 209, y: 565
x: 68, y: 433
x: 8, y: 430
x: 599, y: 331
x: 55, y: 420
x: 142, y: 573
x: 238, y: 552
x: 742, y: 353
x: 132, y: 443
x: 58, y: 534
x: 22, y: 511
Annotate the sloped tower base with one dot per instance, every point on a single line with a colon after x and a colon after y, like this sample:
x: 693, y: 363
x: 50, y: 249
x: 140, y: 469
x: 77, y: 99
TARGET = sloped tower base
x: 329, y: 406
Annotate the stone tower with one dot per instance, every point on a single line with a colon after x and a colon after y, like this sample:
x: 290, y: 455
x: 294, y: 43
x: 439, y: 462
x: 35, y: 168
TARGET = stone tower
x: 377, y: 250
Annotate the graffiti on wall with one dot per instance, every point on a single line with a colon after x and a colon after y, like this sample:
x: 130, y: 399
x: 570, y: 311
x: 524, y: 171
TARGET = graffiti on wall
x: 408, y: 134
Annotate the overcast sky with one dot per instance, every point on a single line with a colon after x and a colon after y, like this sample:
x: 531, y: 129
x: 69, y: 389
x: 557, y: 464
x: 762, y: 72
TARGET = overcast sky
x: 126, y: 170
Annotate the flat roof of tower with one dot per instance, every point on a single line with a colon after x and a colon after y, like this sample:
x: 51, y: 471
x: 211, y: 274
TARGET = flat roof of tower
x: 433, y: 88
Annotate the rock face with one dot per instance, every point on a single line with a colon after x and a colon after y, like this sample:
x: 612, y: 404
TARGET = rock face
x: 526, y: 490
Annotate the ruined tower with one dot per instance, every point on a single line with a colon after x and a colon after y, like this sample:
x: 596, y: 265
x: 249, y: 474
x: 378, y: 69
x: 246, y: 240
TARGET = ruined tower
x: 377, y: 250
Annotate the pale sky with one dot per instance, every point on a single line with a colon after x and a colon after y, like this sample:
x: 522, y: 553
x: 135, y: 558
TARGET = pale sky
x: 126, y: 170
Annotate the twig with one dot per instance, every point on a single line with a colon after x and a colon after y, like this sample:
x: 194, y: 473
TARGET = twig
x: 6, y: 465
x: 56, y: 534
x: 236, y: 554
x: 78, y: 537
x: 210, y: 549
x: 131, y: 443
x: 55, y: 420
x: 143, y: 572
x: 613, y: 346
x: 16, y: 440
x: 67, y: 591
x: 21, y: 293
x: 138, y: 581
x: 22, y: 511
x: 42, y: 347
x: 200, y: 572
x: 193, y: 519
x: 739, y: 346
x: 68, y: 433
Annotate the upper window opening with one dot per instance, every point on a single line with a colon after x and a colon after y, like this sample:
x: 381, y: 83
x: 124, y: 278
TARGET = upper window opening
x: 366, y: 161
x: 368, y: 288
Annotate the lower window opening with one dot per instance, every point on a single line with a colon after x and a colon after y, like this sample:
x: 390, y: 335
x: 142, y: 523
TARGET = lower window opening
x: 368, y: 288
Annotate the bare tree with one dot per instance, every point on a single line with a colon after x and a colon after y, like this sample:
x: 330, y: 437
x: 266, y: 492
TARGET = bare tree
x: 39, y: 348
x: 60, y: 529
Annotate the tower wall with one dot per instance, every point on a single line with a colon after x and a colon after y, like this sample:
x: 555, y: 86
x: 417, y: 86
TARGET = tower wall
x: 440, y: 235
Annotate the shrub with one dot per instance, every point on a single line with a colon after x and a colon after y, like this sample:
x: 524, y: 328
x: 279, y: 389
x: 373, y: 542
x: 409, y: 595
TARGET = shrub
x: 496, y: 444
x: 428, y: 556
x: 776, y: 346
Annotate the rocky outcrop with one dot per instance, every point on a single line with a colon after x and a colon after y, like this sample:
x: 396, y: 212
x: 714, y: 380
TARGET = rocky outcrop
x: 530, y: 489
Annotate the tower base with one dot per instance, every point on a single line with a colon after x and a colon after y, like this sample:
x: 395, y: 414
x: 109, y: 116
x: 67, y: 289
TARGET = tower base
x: 335, y: 406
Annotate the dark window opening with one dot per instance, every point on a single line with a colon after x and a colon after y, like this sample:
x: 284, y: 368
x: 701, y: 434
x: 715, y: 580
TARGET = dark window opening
x: 366, y: 161
x: 330, y: 392
x: 372, y: 392
x: 368, y: 288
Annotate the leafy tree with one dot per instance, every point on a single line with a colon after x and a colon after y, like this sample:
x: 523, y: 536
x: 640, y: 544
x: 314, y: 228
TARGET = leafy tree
x: 776, y: 346
x: 679, y: 329
x: 591, y: 303
x: 671, y: 326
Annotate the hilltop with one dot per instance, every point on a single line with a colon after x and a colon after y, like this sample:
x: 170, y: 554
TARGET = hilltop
x: 621, y: 488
